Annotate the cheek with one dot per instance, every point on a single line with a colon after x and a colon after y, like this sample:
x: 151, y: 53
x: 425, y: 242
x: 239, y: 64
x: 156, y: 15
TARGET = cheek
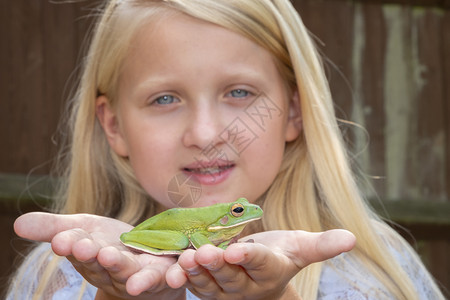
x: 275, y: 144
x: 150, y: 156
x: 152, y: 176
x: 145, y: 139
x: 268, y: 154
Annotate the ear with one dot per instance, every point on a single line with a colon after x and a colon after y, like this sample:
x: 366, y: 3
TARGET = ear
x: 108, y: 119
x: 294, y: 123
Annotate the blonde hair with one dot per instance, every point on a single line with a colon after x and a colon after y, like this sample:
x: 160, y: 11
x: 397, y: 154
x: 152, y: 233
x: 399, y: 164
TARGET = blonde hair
x: 315, y: 189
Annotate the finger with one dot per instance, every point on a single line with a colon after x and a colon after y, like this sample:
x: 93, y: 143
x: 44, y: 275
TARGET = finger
x: 303, y: 247
x: 199, y: 277
x: 120, y: 265
x: 256, y: 258
x: 176, y: 277
x: 81, y: 251
x: 92, y: 271
x: 229, y: 277
x: 151, y: 277
x: 84, y: 256
x: 309, y: 247
x: 41, y: 226
x: 134, y: 272
x: 334, y: 242
x: 268, y: 269
x: 117, y: 267
x: 63, y: 242
x: 86, y: 250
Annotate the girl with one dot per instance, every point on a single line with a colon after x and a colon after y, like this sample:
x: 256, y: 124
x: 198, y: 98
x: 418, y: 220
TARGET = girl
x: 229, y: 95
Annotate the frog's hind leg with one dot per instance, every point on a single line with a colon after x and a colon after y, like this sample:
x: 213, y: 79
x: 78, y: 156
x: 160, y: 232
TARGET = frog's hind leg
x: 156, y: 241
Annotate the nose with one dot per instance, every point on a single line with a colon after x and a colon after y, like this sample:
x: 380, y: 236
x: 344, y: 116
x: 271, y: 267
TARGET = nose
x: 203, y: 126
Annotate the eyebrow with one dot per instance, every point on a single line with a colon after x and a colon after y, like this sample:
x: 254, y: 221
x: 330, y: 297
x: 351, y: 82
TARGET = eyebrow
x: 156, y: 80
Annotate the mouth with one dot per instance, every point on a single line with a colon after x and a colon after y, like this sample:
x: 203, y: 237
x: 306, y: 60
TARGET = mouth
x: 210, y: 172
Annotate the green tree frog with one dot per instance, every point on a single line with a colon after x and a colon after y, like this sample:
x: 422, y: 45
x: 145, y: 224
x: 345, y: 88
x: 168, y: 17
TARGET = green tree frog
x: 176, y: 229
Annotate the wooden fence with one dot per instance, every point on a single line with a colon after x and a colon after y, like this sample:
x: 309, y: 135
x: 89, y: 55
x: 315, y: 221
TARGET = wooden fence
x: 388, y: 63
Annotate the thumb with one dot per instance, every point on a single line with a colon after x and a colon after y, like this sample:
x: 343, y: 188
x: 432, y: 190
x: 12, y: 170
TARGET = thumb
x: 324, y: 245
x: 42, y: 227
x: 304, y: 247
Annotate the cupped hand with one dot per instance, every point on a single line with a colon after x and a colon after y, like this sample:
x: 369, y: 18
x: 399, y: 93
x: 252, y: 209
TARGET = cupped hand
x: 258, y: 270
x: 91, y: 243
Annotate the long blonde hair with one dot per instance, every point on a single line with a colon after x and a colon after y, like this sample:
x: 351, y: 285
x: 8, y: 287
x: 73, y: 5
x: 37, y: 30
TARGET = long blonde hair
x: 315, y: 189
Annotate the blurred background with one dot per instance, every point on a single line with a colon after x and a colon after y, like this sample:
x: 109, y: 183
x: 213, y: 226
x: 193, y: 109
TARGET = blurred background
x: 388, y: 64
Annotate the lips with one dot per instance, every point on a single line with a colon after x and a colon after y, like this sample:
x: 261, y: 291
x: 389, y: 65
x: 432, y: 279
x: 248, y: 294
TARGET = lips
x: 210, y: 172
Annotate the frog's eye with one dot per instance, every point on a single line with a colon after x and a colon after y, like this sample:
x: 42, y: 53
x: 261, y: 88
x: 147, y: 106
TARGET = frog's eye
x: 237, y: 210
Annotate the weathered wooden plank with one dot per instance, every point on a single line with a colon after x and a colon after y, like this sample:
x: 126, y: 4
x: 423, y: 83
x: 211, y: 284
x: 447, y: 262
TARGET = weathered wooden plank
x: 14, y: 248
x: 5, y: 68
x: 410, y: 212
x: 368, y: 106
x: 437, y: 260
x: 25, y: 85
x: 41, y: 53
x: 445, y: 57
x: 427, y: 3
x: 62, y: 46
x: 413, y: 105
x: 36, y: 189
x: 319, y: 17
x: 400, y: 96
x: 392, y: 45
x: 430, y: 149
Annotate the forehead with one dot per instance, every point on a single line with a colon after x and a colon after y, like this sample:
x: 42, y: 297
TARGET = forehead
x: 176, y: 42
x: 168, y: 33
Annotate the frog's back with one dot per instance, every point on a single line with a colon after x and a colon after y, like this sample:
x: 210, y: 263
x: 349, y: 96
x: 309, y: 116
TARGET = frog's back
x: 181, y: 219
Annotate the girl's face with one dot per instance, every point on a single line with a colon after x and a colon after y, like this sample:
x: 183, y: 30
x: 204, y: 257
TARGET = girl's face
x: 202, y: 114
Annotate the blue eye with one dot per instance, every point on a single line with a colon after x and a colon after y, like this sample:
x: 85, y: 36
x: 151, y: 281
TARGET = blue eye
x: 238, y: 93
x: 165, y: 100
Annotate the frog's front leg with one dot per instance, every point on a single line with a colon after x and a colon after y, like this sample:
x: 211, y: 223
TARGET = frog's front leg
x: 155, y: 241
x: 198, y: 239
x: 224, y: 245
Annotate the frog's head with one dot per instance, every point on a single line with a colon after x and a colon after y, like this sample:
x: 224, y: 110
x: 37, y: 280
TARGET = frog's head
x: 236, y: 215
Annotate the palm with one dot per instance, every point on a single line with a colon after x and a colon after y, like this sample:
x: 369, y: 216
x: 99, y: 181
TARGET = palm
x: 92, y: 245
x: 261, y: 269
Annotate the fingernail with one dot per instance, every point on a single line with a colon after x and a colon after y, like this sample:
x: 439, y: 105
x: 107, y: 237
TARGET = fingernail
x: 193, y: 271
x: 211, y: 266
